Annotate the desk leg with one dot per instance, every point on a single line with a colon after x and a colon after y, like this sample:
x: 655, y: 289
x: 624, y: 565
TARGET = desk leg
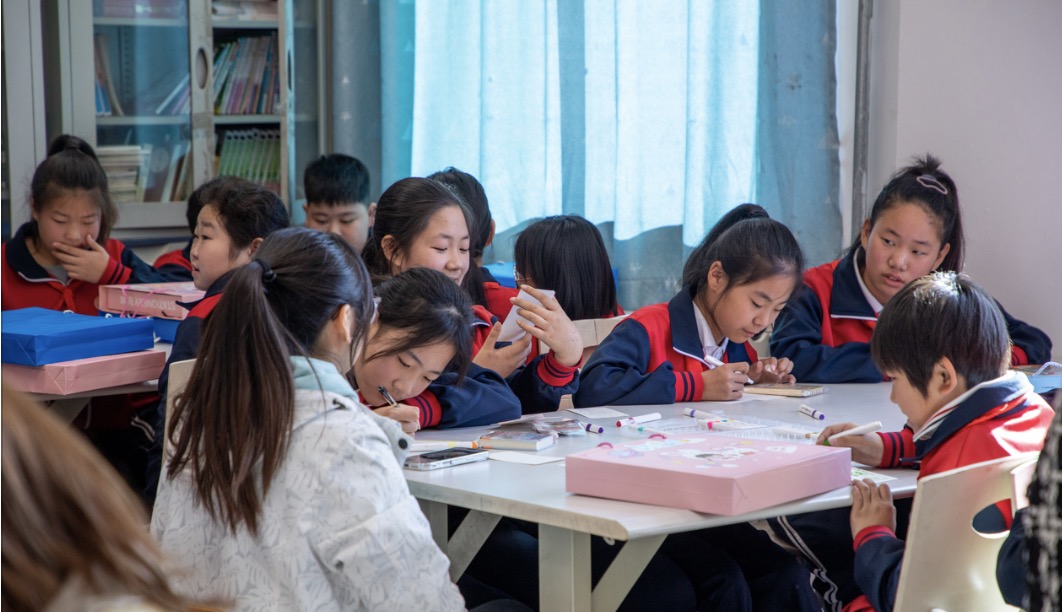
x: 624, y: 572
x: 563, y: 569
x: 440, y: 528
x: 468, y: 539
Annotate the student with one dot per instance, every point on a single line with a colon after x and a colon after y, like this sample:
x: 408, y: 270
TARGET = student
x: 421, y: 223
x: 61, y: 256
x: 915, y: 227
x: 962, y: 407
x: 304, y: 506
x: 422, y: 334
x: 337, y: 198
x: 235, y: 217
x: 177, y: 264
x: 74, y: 536
x: 483, y: 287
x: 734, y: 284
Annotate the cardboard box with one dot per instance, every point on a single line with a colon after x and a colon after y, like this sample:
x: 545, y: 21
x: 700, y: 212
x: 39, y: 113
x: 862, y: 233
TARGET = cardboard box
x: 39, y: 336
x: 90, y: 374
x: 149, y: 299
x: 712, y: 474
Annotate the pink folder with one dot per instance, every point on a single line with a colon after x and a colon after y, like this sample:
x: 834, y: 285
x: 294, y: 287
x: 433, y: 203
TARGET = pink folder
x: 149, y: 299
x: 711, y: 474
x: 92, y: 374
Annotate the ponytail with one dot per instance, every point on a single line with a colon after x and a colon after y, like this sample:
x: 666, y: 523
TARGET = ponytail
x: 72, y: 165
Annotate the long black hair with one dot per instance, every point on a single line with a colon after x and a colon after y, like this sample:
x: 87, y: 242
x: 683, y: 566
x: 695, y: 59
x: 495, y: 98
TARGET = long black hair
x: 474, y: 198
x: 72, y: 165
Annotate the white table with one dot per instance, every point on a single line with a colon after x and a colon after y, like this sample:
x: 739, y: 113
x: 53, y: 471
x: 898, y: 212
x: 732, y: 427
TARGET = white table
x: 493, y: 489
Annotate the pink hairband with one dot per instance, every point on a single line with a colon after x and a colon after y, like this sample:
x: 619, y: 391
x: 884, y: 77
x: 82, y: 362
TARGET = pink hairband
x: 931, y: 182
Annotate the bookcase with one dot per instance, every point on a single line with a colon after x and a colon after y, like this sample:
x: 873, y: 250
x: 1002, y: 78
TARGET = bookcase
x: 175, y: 92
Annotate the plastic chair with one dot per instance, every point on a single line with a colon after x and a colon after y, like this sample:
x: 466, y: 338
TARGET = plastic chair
x: 947, y: 565
x: 180, y: 372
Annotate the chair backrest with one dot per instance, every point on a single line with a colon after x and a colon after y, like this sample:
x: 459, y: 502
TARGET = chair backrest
x: 592, y: 332
x: 180, y: 372
x: 947, y: 565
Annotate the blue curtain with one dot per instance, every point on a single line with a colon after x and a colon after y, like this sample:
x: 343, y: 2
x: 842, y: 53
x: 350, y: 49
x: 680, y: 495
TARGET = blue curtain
x: 651, y: 119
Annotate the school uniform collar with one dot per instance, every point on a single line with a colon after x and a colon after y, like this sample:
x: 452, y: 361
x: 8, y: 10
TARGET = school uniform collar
x: 847, y: 300
x: 685, y: 338
x: 970, y: 406
x: 872, y: 301
x: 22, y: 261
x: 215, y: 288
x: 704, y: 332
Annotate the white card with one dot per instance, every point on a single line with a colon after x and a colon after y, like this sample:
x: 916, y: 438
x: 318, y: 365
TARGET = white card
x: 598, y: 413
x: 861, y: 474
x: 524, y: 458
x: 510, y: 331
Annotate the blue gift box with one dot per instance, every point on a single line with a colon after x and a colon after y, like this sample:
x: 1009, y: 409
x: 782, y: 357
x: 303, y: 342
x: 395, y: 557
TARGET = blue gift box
x: 39, y: 336
x: 165, y: 329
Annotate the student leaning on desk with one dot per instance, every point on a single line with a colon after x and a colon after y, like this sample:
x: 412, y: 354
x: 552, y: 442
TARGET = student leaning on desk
x: 962, y: 406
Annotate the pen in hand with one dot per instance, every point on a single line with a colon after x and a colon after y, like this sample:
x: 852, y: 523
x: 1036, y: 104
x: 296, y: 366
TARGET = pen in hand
x: 387, y: 396
x: 855, y: 431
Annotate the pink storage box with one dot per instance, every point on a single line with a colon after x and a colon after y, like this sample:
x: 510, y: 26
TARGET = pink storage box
x: 149, y: 299
x: 711, y: 474
x: 92, y: 374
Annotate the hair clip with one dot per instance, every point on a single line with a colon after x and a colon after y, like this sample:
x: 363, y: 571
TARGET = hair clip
x: 268, y: 275
x: 931, y: 182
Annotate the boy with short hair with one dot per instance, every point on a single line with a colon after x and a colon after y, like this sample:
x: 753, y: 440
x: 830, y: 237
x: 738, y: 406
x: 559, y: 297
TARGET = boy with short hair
x: 337, y: 198
x: 944, y: 343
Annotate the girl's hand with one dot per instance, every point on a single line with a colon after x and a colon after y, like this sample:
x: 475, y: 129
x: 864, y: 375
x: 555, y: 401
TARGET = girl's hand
x: 408, y: 416
x: 551, y: 325
x: 867, y: 449
x: 772, y: 371
x: 503, y: 360
x: 83, y: 264
x: 871, y: 506
x: 725, y: 382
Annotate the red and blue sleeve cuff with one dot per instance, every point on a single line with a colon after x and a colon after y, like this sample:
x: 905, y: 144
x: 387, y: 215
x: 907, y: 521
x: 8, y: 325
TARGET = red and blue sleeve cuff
x: 689, y: 386
x: 896, y: 445
x: 115, y: 273
x: 871, y: 533
x: 429, y: 407
x: 555, y: 373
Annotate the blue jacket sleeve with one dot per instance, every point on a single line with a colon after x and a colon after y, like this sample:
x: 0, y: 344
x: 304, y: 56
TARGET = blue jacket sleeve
x: 1010, y: 564
x: 798, y: 335
x: 616, y: 372
x: 535, y: 394
x: 877, y: 570
x: 482, y: 398
x: 185, y: 346
x: 1034, y: 342
x: 142, y: 272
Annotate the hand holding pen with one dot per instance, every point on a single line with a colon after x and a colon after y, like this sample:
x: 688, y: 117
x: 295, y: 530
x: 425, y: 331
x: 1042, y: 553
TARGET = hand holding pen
x: 867, y: 447
x: 408, y: 416
x: 725, y: 381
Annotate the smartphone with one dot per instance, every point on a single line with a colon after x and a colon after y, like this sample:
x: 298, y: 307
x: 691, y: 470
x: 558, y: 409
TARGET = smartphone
x: 445, y: 458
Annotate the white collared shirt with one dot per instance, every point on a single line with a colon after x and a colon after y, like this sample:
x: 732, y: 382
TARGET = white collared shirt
x: 711, y: 349
x: 875, y: 305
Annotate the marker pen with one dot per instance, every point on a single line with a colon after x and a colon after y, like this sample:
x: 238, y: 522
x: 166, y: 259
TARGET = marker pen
x: 700, y: 414
x: 594, y: 428
x: 855, y: 431
x: 782, y: 430
x: 645, y: 418
x: 811, y: 412
x: 716, y: 363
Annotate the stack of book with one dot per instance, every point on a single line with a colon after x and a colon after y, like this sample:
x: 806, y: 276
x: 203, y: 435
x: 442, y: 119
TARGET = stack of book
x: 246, y: 76
x: 144, y: 9
x: 252, y: 154
x: 127, y: 170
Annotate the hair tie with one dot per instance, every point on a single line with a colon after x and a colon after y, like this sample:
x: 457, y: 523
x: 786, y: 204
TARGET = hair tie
x: 931, y: 182
x: 268, y: 275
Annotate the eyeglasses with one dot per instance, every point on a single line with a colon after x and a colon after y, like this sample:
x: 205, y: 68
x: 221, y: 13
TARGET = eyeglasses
x: 517, y: 277
x: 375, y: 310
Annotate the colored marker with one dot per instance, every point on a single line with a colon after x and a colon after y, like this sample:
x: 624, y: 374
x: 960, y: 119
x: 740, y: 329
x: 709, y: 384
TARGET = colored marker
x: 716, y: 363
x: 811, y: 412
x: 793, y: 431
x: 644, y: 418
x: 434, y: 445
x: 855, y: 431
x: 700, y: 414
x: 594, y: 428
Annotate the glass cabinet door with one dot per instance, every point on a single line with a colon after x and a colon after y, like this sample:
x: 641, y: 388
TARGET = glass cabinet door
x: 142, y: 101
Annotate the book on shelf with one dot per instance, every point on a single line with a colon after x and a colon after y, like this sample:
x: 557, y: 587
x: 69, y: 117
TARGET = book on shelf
x: 126, y: 167
x: 146, y: 9
x: 104, y: 77
x: 171, y: 104
x: 252, y: 154
x: 245, y: 76
x: 251, y: 10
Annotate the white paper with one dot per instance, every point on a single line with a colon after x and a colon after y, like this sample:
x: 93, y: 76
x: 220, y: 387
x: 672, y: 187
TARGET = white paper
x: 598, y: 413
x: 861, y: 474
x: 510, y: 331
x: 524, y: 458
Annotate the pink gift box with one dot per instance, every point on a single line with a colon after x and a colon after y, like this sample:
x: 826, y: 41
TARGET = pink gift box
x: 94, y: 373
x: 149, y: 299
x: 711, y: 474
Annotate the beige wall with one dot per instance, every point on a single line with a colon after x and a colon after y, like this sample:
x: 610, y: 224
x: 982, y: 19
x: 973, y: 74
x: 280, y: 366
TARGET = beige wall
x: 979, y: 84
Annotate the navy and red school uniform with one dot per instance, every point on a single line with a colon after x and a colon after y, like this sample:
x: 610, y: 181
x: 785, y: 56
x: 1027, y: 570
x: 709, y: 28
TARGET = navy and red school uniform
x: 26, y: 283
x: 496, y: 295
x: 482, y: 398
x: 826, y: 330
x: 995, y: 419
x: 177, y: 263
x: 655, y: 356
x: 185, y: 346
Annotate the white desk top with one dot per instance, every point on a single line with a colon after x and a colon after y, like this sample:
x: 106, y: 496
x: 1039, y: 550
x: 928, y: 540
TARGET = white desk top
x: 536, y: 492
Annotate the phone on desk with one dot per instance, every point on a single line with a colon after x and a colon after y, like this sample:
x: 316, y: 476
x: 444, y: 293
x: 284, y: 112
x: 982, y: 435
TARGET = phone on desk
x: 445, y: 458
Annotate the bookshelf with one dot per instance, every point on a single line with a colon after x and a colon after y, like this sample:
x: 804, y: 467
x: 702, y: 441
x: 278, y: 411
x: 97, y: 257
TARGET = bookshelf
x: 174, y: 92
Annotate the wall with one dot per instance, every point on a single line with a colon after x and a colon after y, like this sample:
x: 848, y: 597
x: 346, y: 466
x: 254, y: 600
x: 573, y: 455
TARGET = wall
x: 977, y: 83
